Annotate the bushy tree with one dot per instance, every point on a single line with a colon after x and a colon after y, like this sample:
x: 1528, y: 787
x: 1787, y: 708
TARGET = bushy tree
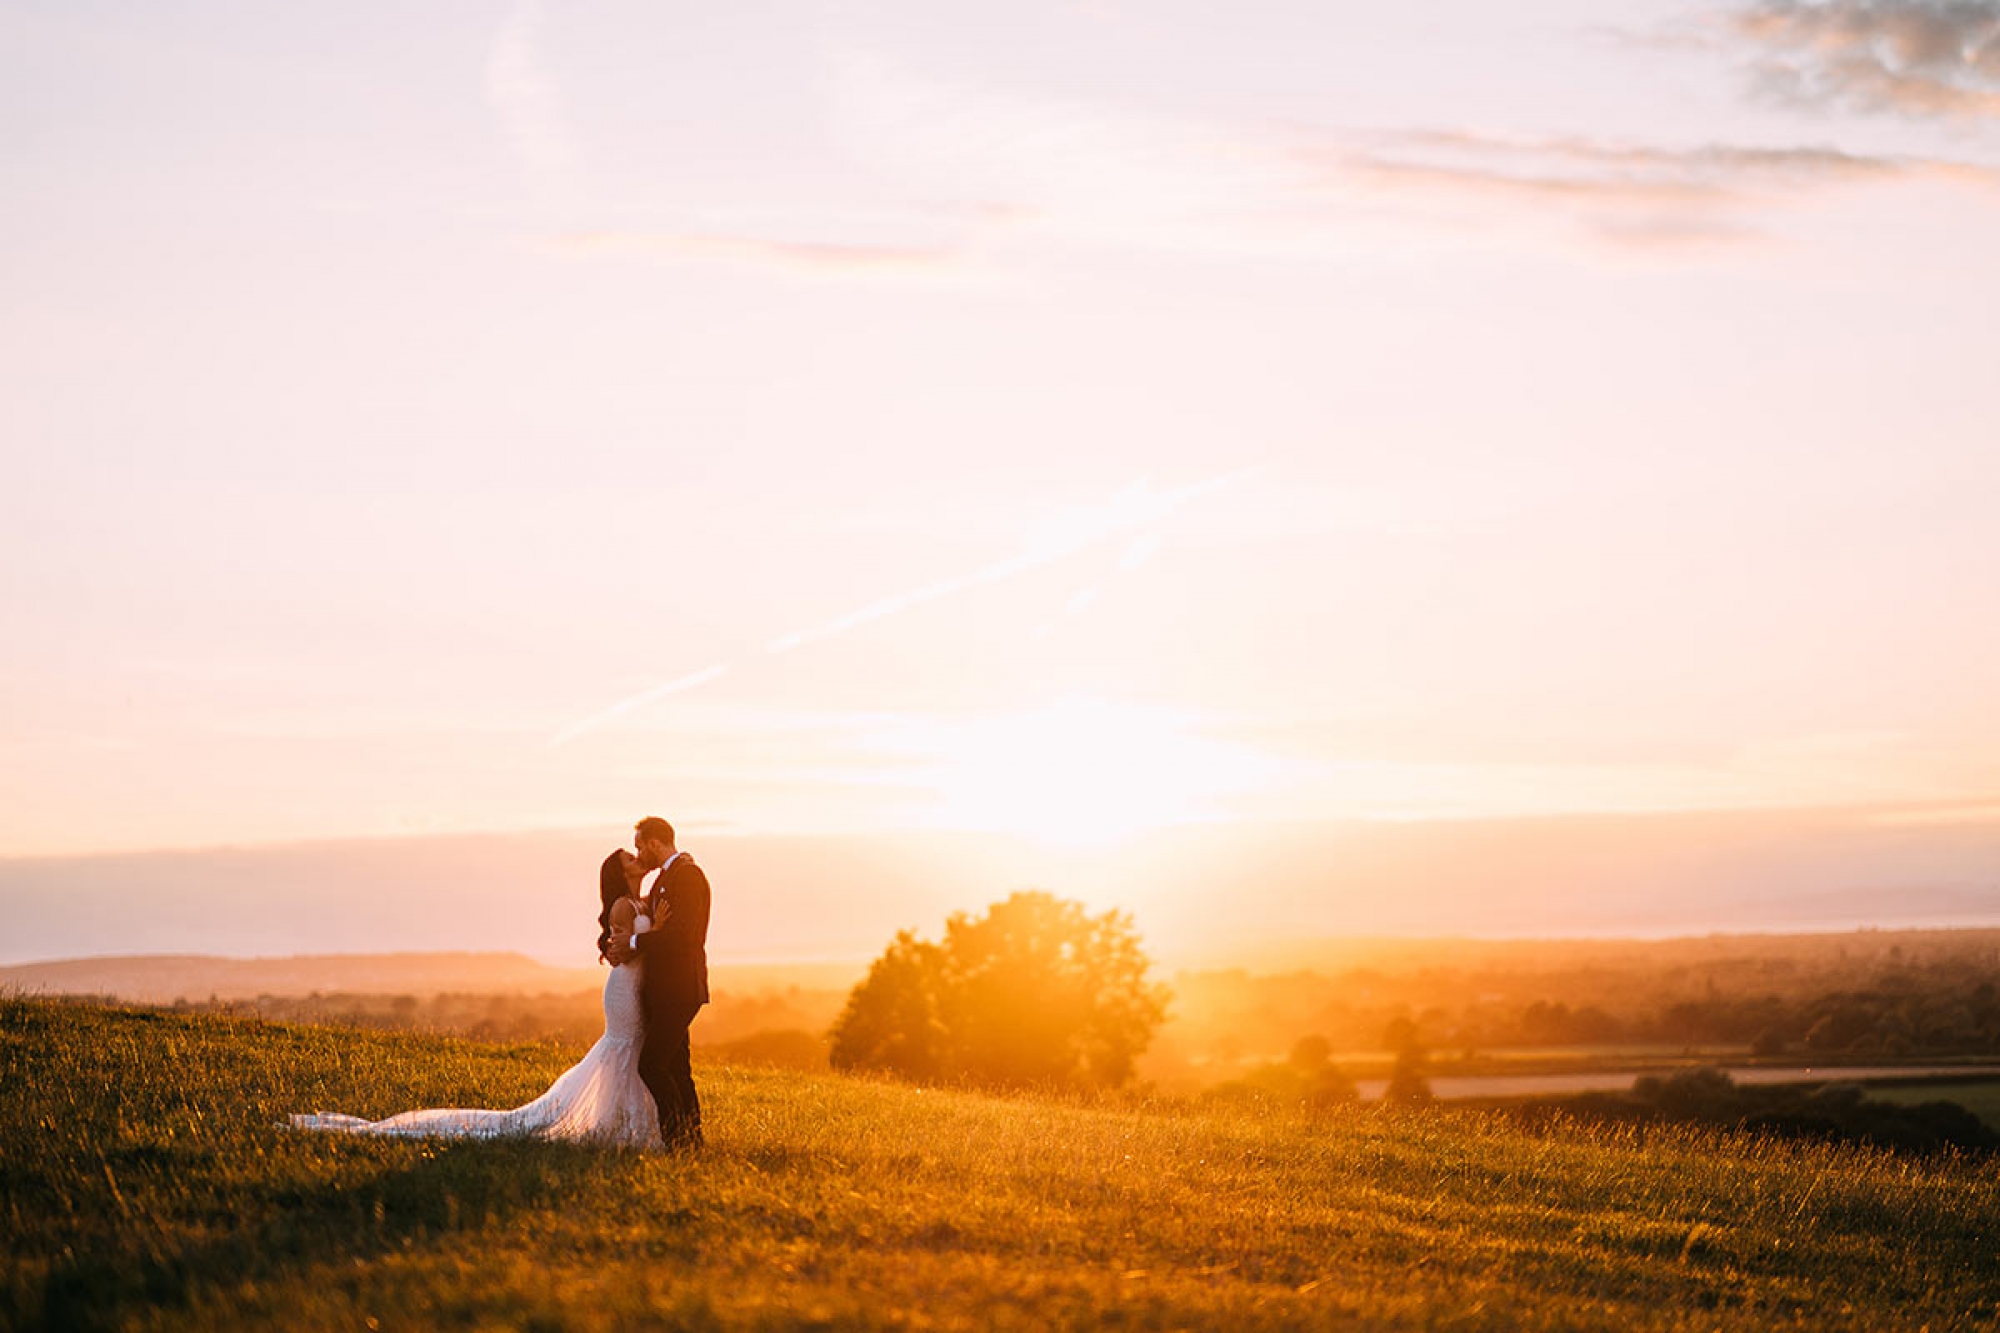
x: 891, y: 1020
x: 1409, y: 1079
x: 1034, y: 992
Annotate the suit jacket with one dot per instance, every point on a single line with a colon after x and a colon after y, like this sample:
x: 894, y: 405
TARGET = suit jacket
x: 676, y: 948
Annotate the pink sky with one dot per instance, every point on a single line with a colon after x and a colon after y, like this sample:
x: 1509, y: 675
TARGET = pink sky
x: 1066, y: 419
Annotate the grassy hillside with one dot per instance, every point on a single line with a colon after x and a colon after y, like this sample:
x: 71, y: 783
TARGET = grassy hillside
x: 144, y: 1183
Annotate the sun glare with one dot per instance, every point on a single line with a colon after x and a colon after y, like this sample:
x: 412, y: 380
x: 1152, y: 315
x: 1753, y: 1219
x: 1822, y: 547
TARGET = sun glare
x: 1080, y: 772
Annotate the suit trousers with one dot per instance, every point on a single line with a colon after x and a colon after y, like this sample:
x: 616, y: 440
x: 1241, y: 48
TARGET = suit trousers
x: 664, y: 1066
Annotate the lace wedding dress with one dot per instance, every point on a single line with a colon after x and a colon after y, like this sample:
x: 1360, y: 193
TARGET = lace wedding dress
x: 600, y: 1099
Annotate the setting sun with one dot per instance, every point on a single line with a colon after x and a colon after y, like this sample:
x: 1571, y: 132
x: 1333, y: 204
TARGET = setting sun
x: 1081, y: 772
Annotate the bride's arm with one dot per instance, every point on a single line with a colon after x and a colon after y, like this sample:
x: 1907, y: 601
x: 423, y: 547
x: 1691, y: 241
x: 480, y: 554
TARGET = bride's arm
x: 627, y: 919
x: 621, y: 926
x: 628, y: 923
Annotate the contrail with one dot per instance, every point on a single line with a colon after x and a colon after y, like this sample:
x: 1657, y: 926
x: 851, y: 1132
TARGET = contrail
x: 876, y: 610
x: 598, y: 719
x: 1135, y: 507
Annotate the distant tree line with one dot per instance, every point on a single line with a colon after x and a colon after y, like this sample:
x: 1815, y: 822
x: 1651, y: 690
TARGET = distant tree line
x: 1910, y: 1014
x: 1831, y: 1111
x: 1857, y: 996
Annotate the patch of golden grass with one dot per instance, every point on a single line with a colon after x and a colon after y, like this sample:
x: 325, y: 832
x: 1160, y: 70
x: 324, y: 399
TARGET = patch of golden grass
x: 146, y: 1183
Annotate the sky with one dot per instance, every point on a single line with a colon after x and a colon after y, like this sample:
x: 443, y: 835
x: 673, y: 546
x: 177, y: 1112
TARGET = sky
x: 1057, y: 420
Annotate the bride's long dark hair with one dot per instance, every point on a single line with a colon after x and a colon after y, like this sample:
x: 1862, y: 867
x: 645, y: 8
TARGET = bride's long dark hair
x: 611, y: 886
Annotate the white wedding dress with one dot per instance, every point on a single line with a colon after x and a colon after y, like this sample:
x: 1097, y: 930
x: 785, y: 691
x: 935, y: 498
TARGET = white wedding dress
x: 600, y: 1099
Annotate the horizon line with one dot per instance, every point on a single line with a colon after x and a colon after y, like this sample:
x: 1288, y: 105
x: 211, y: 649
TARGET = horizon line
x: 1182, y: 960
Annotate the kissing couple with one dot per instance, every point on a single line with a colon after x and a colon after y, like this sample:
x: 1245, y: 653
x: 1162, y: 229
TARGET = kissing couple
x: 635, y: 1086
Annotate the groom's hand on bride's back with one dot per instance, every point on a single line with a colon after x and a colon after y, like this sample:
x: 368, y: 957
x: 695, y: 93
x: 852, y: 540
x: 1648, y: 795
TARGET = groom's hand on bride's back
x: 617, y: 951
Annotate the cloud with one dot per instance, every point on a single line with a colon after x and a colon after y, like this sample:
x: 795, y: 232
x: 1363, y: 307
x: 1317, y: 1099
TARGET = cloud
x: 1916, y: 57
x: 958, y: 179
x: 1978, y: 813
x: 1088, y: 173
x: 1622, y: 192
x: 522, y: 94
x: 1048, y: 166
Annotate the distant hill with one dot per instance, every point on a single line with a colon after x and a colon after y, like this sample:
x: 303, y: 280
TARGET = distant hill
x: 164, y: 978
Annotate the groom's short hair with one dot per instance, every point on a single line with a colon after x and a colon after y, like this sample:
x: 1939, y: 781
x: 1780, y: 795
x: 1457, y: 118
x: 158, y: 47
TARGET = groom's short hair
x: 652, y: 826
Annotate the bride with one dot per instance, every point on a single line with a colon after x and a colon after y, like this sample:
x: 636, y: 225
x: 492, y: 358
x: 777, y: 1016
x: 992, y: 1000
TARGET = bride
x: 600, y: 1099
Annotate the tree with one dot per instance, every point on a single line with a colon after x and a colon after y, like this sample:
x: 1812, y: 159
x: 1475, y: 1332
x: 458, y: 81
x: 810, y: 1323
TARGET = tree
x: 891, y: 1019
x: 1310, y: 1054
x: 1409, y: 1080
x: 1035, y: 992
x: 1320, y: 1081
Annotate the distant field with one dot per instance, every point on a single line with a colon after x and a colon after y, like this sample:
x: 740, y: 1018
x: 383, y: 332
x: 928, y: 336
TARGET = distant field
x: 145, y: 1183
x: 1982, y: 1099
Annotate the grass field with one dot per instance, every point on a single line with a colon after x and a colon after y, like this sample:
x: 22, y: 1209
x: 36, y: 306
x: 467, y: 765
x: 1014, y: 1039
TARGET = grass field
x: 145, y: 1184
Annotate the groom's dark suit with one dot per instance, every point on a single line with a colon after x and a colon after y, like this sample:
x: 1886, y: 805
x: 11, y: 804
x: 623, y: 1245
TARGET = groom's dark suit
x: 673, y: 988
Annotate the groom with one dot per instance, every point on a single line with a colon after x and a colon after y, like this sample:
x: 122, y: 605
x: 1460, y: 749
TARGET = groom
x: 674, y: 984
